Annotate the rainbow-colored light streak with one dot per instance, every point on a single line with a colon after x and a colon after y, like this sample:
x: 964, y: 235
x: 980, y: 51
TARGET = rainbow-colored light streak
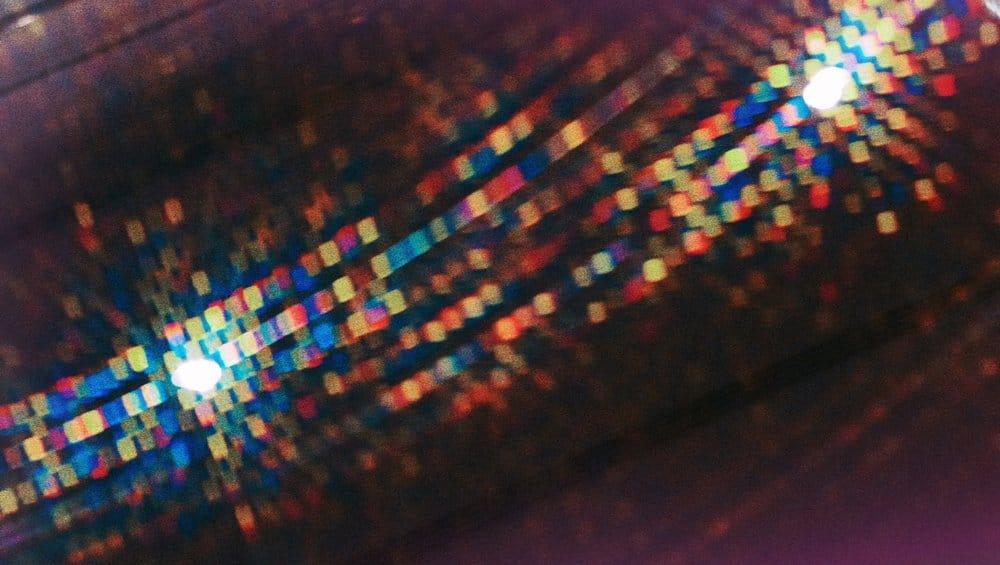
x: 763, y: 144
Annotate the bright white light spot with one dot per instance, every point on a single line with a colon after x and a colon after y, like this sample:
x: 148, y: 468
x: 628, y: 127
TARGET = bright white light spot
x: 25, y: 21
x: 826, y: 88
x: 994, y: 6
x: 199, y: 375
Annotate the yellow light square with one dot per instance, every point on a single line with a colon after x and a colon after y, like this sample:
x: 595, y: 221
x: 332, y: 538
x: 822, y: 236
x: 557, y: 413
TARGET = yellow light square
x: 194, y: 328
x: 750, y: 196
x: 544, y: 303
x: 859, y: 152
x: 783, y: 216
x: 684, y: 154
x: 368, y: 230
x: 216, y: 318
x: 93, y: 422
x: 989, y: 34
x: 597, y: 312
x: 602, y: 263
x: 477, y: 203
x: 410, y: 390
x: 887, y: 223
x: 333, y: 384
x: 573, y: 134
x: 329, y: 253
x: 243, y: 391
x: 217, y: 445
x: 779, y: 76
x: 253, y: 297
x: 381, y: 266
x: 478, y: 259
x: 357, y: 324
x: 845, y: 118
x: 34, y: 448
x: 812, y: 66
x: 126, y: 449
x: 472, y: 306
x: 833, y: 54
x: 713, y: 226
x: 39, y: 404
x: 137, y: 358
x: 528, y: 214
x: 395, y: 302
x: 248, y: 343
x: 8, y: 501
x: 344, y: 289
x: 136, y: 234
x: 878, y: 136
x: 627, y: 198
x: 491, y: 294
x: 903, y: 41
x: 67, y: 476
x: 850, y: 35
x: 897, y: 119
x: 866, y: 73
x: 435, y: 331
x: 664, y: 169
x: 439, y: 229
x: 924, y: 189
x: 886, y: 29
x: 612, y: 162
x: 201, y: 284
x: 223, y: 402
x: 26, y: 492
x: 501, y: 140
x: 654, y: 270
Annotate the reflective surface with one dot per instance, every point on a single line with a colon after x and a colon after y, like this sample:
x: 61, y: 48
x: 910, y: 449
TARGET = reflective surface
x: 457, y: 261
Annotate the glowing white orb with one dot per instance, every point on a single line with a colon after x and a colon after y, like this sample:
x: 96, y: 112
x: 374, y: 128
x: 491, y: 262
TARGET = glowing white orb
x: 25, y: 21
x: 826, y: 88
x: 199, y: 375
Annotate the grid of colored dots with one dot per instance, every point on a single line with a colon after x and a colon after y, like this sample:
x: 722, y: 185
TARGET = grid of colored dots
x: 706, y: 180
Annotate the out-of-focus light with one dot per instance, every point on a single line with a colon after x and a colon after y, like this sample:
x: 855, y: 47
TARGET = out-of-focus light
x: 25, y: 21
x: 826, y: 89
x: 199, y: 375
x: 994, y: 7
